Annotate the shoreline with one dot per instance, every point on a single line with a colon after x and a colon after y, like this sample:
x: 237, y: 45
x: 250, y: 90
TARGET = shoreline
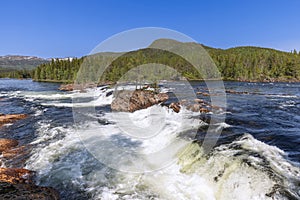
x: 190, y: 80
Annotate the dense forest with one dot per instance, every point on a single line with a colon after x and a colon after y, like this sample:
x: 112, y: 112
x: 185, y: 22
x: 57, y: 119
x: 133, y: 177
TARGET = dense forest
x: 254, y: 63
x: 240, y: 63
x: 58, y: 70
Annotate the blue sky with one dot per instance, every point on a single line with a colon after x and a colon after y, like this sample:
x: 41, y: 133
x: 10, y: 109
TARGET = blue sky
x: 52, y: 28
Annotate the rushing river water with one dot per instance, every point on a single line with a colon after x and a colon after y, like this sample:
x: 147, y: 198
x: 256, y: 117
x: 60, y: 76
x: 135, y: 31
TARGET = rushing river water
x: 257, y: 155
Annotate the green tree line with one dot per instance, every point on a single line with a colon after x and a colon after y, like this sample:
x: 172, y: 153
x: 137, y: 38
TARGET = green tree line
x: 58, y: 70
x: 254, y: 63
x: 19, y: 74
x: 240, y: 63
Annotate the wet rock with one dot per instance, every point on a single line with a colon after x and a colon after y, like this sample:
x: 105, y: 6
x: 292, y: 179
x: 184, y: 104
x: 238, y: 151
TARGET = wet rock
x: 16, y: 175
x: 194, y: 107
x: 82, y: 87
x: 204, y: 110
x: 183, y: 102
x: 130, y: 101
x: 105, y: 83
x: 199, y: 101
x: 6, y: 119
x: 216, y: 107
x: 175, y: 106
x: 6, y: 144
x: 27, y: 191
x: 235, y: 92
x: 66, y: 87
x: 15, y: 152
x: 203, y: 93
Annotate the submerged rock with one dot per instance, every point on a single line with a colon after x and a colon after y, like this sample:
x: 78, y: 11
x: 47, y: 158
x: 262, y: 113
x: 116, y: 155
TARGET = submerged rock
x: 130, y: 101
x: 10, y: 118
x: 6, y: 144
x: 27, y: 191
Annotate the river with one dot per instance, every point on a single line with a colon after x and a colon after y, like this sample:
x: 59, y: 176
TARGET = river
x: 257, y: 155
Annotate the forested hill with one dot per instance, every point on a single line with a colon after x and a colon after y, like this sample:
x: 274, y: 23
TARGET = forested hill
x: 255, y: 63
x: 240, y: 63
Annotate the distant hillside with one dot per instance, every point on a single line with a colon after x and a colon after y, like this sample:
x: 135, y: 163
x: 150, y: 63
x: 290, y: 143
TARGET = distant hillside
x: 19, y: 66
x: 240, y: 63
x: 15, y: 62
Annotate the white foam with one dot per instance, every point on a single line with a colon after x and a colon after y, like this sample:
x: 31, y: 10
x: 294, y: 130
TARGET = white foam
x: 232, y: 178
x: 223, y: 175
x: 99, y: 96
x: 282, y: 95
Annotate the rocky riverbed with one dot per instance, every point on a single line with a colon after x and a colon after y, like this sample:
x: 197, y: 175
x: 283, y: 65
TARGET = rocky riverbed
x: 18, y: 183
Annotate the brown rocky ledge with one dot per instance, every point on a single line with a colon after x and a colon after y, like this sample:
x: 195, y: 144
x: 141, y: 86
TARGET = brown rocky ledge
x: 71, y: 87
x: 66, y: 87
x: 6, y: 144
x: 20, y: 151
x: 82, y: 87
x: 199, y: 105
x: 26, y: 191
x: 10, y: 118
x: 130, y: 101
x: 16, y: 175
x: 17, y: 183
x: 175, y: 106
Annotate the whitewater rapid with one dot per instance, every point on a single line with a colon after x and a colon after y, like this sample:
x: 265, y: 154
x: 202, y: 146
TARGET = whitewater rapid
x: 244, y: 168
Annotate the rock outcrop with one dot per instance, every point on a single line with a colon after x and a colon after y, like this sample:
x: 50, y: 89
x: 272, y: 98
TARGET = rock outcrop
x: 236, y: 92
x: 17, y: 183
x: 175, y: 106
x: 6, y: 119
x: 15, y: 175
x: 198, y: 105
x: 66, y: 87
x: 20, y: 151
x: 6, y: 144
x: 82, y: 87
x: 130, y: 101
x: 26, y: 191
